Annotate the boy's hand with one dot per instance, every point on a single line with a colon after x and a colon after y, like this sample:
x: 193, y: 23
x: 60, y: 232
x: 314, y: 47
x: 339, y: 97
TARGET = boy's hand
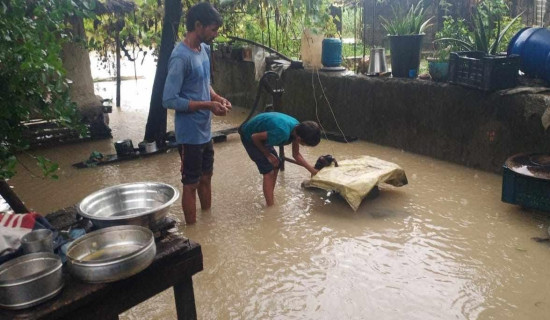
x: 273, y: 160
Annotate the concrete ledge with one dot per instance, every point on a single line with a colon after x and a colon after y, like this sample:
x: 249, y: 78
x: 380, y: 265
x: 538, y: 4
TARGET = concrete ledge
x: 443, y: 121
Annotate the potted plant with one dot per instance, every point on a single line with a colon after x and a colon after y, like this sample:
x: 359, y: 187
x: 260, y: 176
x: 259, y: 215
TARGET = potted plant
x: 405, y: 32
x: 486, y: 35
x: 438, y: 63
x: 479, y: 64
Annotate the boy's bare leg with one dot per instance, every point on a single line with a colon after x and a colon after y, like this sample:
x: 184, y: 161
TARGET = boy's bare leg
x: 188, y: 202
x: 205, y: 191
x: 270, y: 179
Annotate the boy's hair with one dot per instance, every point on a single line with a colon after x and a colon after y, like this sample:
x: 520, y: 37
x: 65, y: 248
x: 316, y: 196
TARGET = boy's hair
x: 204, y: 13
x: 310, y: 132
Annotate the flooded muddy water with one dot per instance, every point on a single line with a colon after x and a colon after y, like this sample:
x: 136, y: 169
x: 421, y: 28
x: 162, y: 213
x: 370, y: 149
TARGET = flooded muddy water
x: 442, y: 247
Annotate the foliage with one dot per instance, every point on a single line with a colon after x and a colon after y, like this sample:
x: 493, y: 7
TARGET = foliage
x: 486, y: 34
x: 456, y: 28
x: 139, y: 33
x: 410, y: 22
x: 278, y: 24
x: 32, y: 78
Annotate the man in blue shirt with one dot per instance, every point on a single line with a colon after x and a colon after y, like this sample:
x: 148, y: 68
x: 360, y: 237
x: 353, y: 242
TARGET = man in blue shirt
x: 259, y: 136
x: 188, y: 92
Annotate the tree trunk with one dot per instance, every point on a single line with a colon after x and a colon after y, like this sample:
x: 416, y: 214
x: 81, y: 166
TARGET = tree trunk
x: 117, y: 41
x: 11, y: 198
x: 156, y: 121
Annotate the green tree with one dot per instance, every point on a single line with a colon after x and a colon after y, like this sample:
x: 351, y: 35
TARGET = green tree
x: 32, y: 78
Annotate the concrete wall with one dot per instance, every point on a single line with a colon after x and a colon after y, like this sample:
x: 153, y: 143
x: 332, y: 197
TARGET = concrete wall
x: 444, y: 121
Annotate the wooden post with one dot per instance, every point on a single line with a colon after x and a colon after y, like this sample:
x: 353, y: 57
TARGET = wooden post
x: 11, y: 198
x: 185, y: 300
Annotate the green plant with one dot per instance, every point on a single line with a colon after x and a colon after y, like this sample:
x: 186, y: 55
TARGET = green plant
x: 486, y: 34
x: 410, y: 22
x: 32, y: 79
x: 452, y: 28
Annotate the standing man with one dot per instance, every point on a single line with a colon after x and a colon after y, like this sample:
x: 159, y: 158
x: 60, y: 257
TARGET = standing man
x: 188, y: 92
x: 262, y: 133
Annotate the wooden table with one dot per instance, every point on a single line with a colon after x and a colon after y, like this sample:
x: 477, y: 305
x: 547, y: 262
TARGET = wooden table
x: 177, y: 260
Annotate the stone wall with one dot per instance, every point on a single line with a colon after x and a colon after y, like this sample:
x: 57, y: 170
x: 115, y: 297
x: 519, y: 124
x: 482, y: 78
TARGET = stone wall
x: 443, y: 121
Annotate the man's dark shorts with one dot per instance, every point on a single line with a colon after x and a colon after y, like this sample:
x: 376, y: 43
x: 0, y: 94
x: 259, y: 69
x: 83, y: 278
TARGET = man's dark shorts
x: 264, y: 166
x: 197, y: 160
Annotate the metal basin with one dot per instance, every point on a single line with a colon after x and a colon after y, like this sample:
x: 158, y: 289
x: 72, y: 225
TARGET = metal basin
x: 140, y: 203
x: 111, y: 254
x: 30, y: 279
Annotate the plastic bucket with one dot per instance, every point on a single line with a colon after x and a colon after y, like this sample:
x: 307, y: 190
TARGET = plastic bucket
x: 533, y: 47
x: 332, y: 52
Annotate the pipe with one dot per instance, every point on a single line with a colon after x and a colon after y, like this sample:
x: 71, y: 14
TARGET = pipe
x: 261, y: 46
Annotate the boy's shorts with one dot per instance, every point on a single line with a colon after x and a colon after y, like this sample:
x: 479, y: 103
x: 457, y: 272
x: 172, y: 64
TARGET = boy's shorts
x: 263, y: 164
x: 196, y: 160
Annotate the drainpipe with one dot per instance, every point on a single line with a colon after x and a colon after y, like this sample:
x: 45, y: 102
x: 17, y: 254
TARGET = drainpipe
x: 540, y: 11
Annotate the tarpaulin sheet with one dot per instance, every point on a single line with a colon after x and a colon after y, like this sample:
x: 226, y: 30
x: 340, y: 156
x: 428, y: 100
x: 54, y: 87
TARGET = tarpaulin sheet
x: 353, y: 179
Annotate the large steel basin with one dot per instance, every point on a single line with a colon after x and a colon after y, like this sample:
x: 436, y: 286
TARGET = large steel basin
x: 139, y: 203
x: 111, y: 254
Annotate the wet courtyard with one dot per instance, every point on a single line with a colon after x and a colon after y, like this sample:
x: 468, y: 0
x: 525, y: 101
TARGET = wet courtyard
x: 442, y: 247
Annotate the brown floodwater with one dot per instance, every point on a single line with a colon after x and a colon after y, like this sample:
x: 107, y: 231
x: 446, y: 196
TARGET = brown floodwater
x: 442, y: 247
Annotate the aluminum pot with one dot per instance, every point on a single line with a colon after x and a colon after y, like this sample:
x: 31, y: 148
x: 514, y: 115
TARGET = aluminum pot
x: 111, y: 254
x: 140, y: 203
x: 30, y: 279
x: 40, y: 240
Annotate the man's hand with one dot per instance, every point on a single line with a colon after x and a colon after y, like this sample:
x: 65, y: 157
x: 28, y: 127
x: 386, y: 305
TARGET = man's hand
x: 224, y: 102
x: 218, y: 109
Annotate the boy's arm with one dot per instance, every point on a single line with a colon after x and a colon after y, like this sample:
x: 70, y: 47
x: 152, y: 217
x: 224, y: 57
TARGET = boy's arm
x: 259, y: 139
x: 300, y: 160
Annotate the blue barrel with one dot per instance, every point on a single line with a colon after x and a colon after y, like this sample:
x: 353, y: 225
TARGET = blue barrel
x: 332, y: 52
x: 533, y: 47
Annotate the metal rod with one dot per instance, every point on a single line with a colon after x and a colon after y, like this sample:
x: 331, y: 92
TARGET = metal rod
x: 290, y: 160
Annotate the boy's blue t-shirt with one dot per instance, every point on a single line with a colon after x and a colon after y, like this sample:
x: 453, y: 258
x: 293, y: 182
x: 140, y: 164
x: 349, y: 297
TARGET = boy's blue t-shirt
x: 279, y: 126
x: 188, y: 80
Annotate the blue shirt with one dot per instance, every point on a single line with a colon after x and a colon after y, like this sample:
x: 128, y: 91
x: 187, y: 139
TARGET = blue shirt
x: 279, y: 126
x: 188, y: 80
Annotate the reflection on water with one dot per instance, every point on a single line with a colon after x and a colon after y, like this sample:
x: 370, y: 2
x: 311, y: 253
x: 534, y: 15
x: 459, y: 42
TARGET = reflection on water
x: 442, y: 247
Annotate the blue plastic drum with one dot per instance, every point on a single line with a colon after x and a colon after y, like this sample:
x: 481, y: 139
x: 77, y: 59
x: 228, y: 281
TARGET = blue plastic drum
x: 332, y: 52
x: 533, y: 47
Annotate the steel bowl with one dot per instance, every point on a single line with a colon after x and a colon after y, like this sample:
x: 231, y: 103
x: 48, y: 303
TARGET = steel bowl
x: 141, y: 203
x: 111, y: 254
x: 30, y: 279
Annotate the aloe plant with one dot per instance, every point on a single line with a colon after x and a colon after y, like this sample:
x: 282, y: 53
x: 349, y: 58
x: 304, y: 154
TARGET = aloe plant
x: 407, y: 23
x: 483, y: 37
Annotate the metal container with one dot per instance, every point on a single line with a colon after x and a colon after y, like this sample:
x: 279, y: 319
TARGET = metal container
x: 140, y: 203
x: 40, y: 240
x: 377, y: 61
x: 124, y: 147
x: 151, y: 147
x: 111, y: 254
x: 30, y: 279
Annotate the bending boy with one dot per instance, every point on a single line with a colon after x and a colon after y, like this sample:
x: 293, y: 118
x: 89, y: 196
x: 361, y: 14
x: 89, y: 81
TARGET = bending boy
x: 269, y: 129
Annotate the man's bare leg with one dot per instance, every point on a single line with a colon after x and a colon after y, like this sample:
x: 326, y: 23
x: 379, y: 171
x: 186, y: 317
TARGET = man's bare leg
x: 205, y: 191
x: 188, y: 202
